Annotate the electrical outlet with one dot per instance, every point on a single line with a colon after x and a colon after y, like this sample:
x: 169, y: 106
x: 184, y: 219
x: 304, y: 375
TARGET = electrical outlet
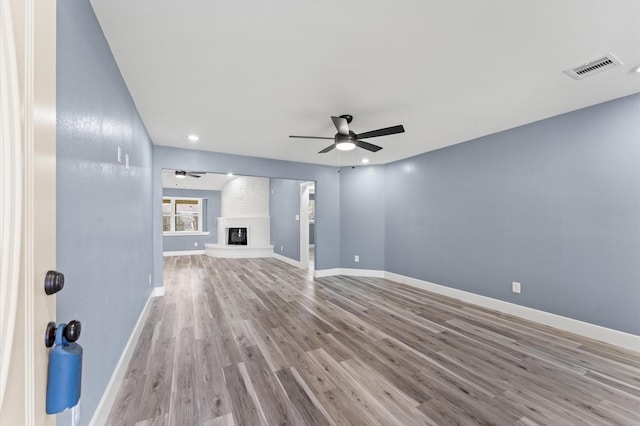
x: 515, y: 287
x: 297, y: 217
x: 356, y: 258
x: 281, y: 248
x: 126, y: 161
x: 119, y: 155
x: 149, y: 279
x: 195, y: 244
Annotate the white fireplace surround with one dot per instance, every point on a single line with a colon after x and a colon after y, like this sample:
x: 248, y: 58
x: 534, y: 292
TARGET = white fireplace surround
x: 258, y: 236
x: 244, y: 204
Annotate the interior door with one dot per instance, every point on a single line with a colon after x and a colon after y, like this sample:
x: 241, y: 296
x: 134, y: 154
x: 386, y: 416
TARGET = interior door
x: 27, y: 205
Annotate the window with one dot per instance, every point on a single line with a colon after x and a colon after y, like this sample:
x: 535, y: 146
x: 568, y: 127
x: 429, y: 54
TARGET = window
x: 181, y: 215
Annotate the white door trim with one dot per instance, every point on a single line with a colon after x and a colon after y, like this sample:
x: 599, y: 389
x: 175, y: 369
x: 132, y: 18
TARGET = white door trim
x: 304, y: 223
x: 32, y: 98
x: 10, y: 191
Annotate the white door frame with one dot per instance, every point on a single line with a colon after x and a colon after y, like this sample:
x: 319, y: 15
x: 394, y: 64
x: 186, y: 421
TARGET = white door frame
x: 27, y: 204
x: 305, y: 188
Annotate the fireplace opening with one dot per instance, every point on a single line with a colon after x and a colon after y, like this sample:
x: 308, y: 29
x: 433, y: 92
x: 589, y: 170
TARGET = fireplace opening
x: 237, y: 236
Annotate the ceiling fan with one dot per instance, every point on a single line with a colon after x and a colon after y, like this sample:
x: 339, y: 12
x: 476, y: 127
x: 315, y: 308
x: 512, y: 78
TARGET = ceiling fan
x: 346, y: 139
x: 181, y: 174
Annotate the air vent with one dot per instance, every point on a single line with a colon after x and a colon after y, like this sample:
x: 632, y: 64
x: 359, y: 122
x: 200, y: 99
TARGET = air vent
x: 594, y: 67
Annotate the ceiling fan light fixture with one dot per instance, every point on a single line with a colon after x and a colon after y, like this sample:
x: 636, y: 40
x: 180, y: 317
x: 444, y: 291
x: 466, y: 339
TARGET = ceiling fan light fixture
x: 345, y: 145
x: 346, y: 139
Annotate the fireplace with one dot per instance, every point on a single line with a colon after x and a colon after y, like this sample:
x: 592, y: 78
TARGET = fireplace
x: 241, y: 237
x: 237, y: 236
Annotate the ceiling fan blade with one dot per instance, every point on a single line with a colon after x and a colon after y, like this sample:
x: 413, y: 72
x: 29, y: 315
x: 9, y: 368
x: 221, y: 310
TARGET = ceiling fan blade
x: 341, y: 124
x: 310, y: 137
x: 382, y: 132
x: 368, y: 146
x: 194, y: 175
x: 327, y: 149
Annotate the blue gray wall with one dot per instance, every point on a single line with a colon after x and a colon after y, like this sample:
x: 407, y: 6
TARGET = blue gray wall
x: 104, y: 232
x: 327, y: 193
x: 554, y: 205
x: 362, y: 212
x: 284, y: 205
x: 211, y: 207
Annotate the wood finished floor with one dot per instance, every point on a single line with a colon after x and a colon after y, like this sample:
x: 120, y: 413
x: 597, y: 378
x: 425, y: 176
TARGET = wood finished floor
x: 256, y: 341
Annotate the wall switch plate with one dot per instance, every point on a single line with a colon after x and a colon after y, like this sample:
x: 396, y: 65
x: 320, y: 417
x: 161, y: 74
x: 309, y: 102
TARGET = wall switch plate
x: 281, y: 248
x: 119, y: 155
x: 149, y: 279
x: 126, y: 161
x: 195, y: 244
x: 515, y: 287
x: 356, y: 258
x: 297, y: 217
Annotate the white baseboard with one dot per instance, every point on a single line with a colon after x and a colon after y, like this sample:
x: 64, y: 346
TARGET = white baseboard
x: 109, y: 396
x: 182, y: 253
x: 371, y: 273
x: 321, y: 273
x: 285, y: 259
x: 585, y: 329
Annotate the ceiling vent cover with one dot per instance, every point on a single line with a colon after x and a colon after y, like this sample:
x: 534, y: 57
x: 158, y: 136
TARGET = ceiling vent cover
x: 594, y: 67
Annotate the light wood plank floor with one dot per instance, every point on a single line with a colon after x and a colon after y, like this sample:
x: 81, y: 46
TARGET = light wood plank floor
x: 256, y: 341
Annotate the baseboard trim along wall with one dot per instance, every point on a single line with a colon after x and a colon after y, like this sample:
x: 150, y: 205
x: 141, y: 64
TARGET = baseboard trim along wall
x: 157, y: 292
x: 327, y: 272
x: 285, y: 259
x: 371, y: 273
x: 182, y: 253
x: 585, y: 329
x: 109, y: 396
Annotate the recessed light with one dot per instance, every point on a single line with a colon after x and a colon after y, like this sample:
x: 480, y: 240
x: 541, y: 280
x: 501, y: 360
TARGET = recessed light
x: 193, y: 138
x: 364, y: 160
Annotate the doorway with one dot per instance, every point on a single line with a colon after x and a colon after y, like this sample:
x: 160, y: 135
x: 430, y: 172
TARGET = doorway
x: 307, y: 226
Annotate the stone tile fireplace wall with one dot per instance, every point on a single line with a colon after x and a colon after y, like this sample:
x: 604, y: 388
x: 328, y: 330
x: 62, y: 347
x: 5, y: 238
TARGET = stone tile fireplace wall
x: 244, y: 204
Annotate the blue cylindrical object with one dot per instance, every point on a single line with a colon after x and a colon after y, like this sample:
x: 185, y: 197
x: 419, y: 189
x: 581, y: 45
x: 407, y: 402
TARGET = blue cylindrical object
x: 65, y: 374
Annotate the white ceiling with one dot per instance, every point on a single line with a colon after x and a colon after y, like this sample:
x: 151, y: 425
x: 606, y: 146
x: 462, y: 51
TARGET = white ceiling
x: 244, y: 75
